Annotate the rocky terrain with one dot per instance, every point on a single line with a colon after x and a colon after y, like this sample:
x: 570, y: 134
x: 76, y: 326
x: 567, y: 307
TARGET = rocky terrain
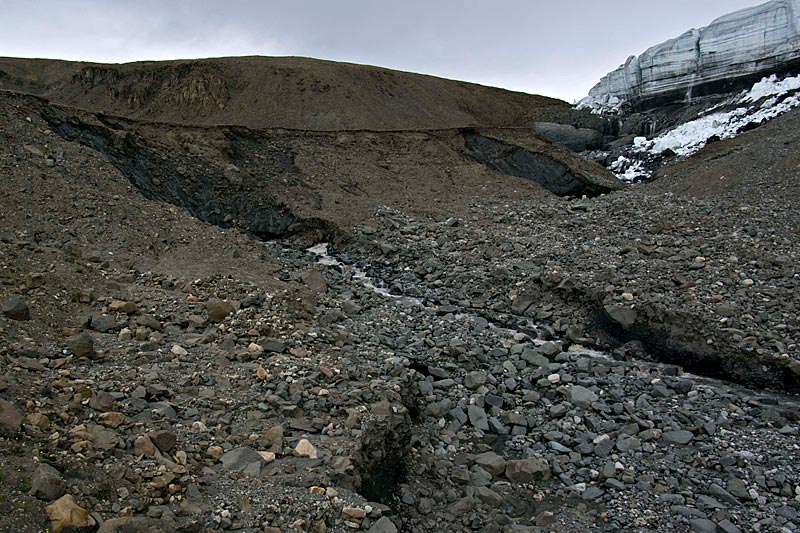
x: 240, y: 327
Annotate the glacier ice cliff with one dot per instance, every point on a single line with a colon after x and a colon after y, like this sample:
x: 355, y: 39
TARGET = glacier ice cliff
x: 724, y: 56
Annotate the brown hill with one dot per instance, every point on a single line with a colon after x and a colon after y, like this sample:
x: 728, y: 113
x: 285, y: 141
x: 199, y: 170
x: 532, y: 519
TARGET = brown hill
x: 268, y: 92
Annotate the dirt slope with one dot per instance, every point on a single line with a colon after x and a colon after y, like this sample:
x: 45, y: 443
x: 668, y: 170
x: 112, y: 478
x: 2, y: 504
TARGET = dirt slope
x: 758, y: 163
x: 266, y: 92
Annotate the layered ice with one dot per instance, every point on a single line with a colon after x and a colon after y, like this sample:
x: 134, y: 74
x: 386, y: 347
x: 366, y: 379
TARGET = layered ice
x: 762, y: 39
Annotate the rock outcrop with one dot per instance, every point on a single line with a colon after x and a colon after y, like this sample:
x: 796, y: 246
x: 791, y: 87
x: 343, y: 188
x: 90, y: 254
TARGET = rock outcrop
x: 728, y: 54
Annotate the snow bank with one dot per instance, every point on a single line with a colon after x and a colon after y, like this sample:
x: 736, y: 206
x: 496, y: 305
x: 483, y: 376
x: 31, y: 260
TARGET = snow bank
x: 690, y: 137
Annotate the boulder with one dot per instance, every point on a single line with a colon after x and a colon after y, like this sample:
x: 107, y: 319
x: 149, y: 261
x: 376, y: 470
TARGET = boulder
x: 624, y: 316
x: 245, y: 460
x: 527, y: 470
x: 47, y: 483
x: 82, y: 344
x: 575, y: 139
x: 16, y: 309
x: 65, y: 513
x: 218, y: 310
x: 10, y: 418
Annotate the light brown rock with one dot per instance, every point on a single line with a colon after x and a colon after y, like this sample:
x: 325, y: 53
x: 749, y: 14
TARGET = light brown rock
x: 305, y: 449
x: 64, y: 513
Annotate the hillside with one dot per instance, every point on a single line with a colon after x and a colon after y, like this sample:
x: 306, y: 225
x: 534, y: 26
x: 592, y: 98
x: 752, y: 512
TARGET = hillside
x: 275, y: 92
x: 758, y: 163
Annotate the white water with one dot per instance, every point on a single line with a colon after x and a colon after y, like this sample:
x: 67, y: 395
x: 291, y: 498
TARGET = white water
x: 324, y: 258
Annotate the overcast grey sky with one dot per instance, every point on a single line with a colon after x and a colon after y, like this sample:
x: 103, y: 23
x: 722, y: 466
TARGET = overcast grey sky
x: 558, y: 48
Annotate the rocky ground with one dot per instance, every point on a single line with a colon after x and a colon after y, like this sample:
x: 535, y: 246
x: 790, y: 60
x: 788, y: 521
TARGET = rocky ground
x: 620, y: 363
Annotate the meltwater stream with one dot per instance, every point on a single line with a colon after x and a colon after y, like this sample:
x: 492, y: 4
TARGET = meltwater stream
x: 324, y: 258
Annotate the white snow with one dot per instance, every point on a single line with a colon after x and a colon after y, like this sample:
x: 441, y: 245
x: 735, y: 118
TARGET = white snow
x: 627, y: 169
x: 771, y: 87
x: 690, y: 137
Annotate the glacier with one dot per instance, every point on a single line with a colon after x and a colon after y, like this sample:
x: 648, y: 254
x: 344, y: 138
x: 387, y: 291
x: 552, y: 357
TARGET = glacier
x: 739, y: 46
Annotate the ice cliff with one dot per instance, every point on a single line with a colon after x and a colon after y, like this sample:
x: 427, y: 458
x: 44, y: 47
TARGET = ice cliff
x: 732, y: 49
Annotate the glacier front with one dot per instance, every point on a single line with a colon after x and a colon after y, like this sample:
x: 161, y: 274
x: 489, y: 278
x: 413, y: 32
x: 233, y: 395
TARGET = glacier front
x: 734, y: 48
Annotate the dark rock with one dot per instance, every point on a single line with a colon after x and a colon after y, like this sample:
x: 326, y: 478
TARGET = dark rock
x: 491, y: 462
x: 16, y: 309
x: 527, y: 470
x: 383, y: 525
x: 47, y: 483
x: 624, y: 316
x: 703, y: 525
x: 677, y: 437
x: 478, y: 418
x: 581, y: 396
x: 164, y: 440
x: 218, y: 310
x: 245, y: 460
x: 82, y: 344
x: 10, y: 418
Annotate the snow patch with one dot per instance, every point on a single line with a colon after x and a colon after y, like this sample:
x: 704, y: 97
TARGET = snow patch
x: 776, y: 99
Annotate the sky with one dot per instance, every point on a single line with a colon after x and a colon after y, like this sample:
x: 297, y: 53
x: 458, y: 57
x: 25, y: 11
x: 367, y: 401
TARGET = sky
x: 557, y: 48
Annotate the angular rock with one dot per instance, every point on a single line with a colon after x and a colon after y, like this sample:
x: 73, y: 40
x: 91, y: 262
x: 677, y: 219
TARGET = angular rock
x: 383, y: 525
x: 10, y: 417
x: 82, y: 344
x: 218, y: 310
x: 527, y: 470
x: 245, y: 460
x: 16, y: 309
x: 65, y: 513
x: 478, y: 417
x: 677, y: 437
x: 581, y: 396
x: 135, y: 524
x: 624, y: 316
x: 491, y: 462
x: 164, y: 440
x: 47, y: 483
x: 304, y: 448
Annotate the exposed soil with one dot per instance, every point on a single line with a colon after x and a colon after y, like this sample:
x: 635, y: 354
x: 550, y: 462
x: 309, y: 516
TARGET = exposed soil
x: 269, y: 92
x: 485, y: 351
